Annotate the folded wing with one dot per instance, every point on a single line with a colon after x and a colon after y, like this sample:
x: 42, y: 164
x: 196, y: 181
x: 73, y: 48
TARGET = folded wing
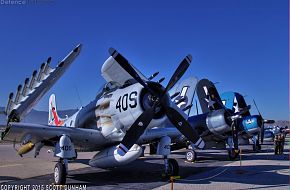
x: 33, y: 90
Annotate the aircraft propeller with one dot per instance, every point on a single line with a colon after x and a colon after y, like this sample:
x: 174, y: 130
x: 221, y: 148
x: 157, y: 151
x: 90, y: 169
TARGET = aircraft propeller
x: 233, y: 118
x: 263, y: 121
x: 161, y: 100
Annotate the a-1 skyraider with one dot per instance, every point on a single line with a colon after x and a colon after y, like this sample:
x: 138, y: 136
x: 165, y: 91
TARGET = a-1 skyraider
x: 131, y: 110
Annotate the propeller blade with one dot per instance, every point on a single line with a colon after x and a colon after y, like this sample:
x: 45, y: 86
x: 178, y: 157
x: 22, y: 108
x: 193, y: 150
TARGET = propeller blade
x: 183, y: 126
x: 257, y: 107
x: 262, y: 132
x: 222, y: 105
x: 269, y: 121
x: 128, y: 67
x: 196, y: 107
x: 135, y: 131
x: 178, y: 73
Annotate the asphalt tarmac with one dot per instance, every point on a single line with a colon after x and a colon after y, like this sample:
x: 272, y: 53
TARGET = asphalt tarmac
x: 213, y: 170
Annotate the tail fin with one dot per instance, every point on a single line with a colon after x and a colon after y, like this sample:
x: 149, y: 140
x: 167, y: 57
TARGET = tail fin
x: 53, y: 118
x: 208, y: 96
x: 186, y: 90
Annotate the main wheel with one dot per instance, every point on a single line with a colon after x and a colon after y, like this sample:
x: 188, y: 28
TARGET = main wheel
x: 59, y: 174
x: 190, y: 156
x: 173, y: 167
x: 233, y: 154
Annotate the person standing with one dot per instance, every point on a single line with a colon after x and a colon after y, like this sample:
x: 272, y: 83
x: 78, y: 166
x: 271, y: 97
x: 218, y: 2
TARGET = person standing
x: 276, y: 143
x: 282, y: 142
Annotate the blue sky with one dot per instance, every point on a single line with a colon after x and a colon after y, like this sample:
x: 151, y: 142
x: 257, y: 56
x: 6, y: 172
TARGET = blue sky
x: 241, y: 44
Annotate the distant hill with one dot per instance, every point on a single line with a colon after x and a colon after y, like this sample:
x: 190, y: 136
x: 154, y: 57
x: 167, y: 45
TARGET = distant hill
x: 282, y: 123
x: 40, y: 117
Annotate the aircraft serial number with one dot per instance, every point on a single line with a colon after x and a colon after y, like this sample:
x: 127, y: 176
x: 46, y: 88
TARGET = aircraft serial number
x: 127, y: 100
x: 65, y: 148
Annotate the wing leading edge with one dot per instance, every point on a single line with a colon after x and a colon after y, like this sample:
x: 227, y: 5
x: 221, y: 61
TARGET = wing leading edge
x: 83, y: 139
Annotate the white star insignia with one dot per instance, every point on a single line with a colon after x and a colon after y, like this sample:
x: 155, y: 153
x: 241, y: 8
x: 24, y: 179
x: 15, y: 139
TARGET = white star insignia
x: 210, y: 102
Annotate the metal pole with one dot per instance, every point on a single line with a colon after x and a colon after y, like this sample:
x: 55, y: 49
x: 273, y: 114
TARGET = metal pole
x: 240, y: 157
x: 171, y: 180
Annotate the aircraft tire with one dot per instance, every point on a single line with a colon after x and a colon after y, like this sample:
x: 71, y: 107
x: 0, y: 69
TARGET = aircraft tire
x: 233, y: 154
x: 173, y: 167
x: 190, y: 156
x: 59, y: 174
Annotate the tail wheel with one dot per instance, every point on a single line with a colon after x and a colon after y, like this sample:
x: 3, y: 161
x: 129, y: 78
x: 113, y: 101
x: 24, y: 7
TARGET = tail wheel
x: 233, y: 154
x: 173, y: 167
x: 190, y: 156
x: 59, y: 174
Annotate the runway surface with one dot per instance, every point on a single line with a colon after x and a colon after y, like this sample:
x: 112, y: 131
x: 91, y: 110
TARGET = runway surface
x: 212, y: 171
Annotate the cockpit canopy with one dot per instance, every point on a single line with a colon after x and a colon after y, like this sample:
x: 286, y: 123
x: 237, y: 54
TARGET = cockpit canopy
x: 108, y: 87
x: 113, y: 85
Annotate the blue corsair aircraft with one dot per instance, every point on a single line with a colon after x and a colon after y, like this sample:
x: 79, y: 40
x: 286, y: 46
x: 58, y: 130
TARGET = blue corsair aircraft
x: 249, y: 126
x: 217, y: 125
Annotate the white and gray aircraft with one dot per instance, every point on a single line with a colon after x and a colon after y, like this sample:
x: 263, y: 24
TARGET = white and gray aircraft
x: 131, y: 110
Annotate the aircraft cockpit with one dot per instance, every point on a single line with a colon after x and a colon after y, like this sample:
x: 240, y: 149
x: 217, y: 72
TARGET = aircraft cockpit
x: 108, y: 87
x: 128, y: 83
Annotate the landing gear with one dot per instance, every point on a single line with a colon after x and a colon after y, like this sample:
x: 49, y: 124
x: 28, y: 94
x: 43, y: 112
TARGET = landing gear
x: 153, y: 148
x: 65, y: 150
x: 171, y: 167
x: 190, y: 156
x: 60, y: 172
x: 256, y: 147
x: 256, y: 144
x: 233, y: 154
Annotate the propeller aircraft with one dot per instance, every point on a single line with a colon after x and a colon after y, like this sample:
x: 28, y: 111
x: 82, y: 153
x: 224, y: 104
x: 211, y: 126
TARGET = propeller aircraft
x: 131, y: 110
x: 216, y: 123
x: 250, y: 126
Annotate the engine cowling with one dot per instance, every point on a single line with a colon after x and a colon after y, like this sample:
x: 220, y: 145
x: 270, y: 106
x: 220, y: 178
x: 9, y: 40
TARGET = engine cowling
x: 109, y: 158
x: 217, y: 123
x: 251, y: 124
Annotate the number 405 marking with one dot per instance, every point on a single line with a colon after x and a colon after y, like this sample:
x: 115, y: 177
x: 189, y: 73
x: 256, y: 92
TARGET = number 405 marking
x: 126, y: 101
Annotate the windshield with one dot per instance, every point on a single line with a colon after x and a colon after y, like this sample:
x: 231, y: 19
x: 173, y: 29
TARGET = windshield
x: 108, y: 87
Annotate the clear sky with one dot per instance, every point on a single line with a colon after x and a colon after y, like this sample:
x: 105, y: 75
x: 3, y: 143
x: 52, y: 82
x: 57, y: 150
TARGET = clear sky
x: 242, y: 44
